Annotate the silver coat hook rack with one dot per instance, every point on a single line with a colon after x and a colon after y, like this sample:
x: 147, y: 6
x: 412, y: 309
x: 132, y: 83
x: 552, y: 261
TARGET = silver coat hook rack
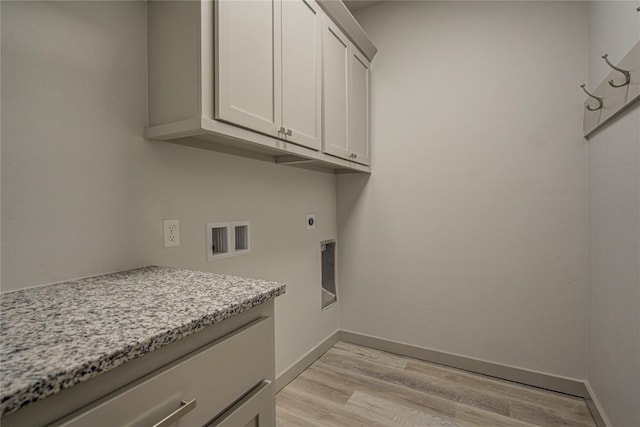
x: 627, y: 74
x: 597, y: 98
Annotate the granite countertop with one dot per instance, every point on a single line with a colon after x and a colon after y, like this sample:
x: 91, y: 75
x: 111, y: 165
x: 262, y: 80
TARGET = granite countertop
x: 58, y: 335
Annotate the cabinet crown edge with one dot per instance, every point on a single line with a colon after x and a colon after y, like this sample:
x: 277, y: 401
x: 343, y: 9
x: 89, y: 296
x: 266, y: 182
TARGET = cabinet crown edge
x: 341, y: 16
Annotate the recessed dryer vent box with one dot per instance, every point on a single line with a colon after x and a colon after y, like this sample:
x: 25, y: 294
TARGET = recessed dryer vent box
x: 328, y: 262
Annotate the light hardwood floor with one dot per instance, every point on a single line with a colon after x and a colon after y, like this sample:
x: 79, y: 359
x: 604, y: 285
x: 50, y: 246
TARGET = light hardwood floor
x: 352, y: 385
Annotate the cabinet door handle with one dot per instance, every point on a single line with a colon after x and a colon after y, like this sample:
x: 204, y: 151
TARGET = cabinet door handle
x: 177, y: 414
x: 289, y: 133
x: 282, y: 130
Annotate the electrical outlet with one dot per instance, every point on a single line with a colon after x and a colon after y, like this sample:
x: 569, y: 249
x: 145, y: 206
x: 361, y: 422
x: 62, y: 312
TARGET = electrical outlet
x: 171, y: 233
x: 311, y: 222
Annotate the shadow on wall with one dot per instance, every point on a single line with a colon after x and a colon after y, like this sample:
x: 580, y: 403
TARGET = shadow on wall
x: 351, y: 188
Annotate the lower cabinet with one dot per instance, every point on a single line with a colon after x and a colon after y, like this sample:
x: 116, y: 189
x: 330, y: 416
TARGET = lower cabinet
x: 256, y: 409
x: 227, y: 383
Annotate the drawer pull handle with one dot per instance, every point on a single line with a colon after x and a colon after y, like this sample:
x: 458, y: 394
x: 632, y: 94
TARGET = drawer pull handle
x: 178, y: 413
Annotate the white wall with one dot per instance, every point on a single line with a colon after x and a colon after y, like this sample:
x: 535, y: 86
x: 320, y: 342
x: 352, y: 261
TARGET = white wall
x: 614, y: 229
x: 84, y: 194
x: 470, y: 236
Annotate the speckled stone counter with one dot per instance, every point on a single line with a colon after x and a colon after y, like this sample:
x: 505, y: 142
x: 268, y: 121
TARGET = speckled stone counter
x: 59, y: 335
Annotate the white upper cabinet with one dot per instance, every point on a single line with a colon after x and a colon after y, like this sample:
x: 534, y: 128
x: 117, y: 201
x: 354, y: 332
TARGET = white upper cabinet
x: 248, y: 83
x: 345, y: 97
x: 268, y: 63
x: 335, y: 88
x: 284, y: 81
x: 301, y: 69
x: 359, y: 116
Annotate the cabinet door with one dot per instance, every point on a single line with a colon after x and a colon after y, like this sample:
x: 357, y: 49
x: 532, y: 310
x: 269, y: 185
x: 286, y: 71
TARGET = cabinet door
x: 301, y: 68
x: 359, y: 116
x: 335, y: 75
x: 256, y: 409
x: 247, y: 64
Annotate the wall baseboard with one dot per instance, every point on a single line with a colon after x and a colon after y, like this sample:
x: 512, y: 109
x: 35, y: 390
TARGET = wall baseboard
x: 543, y: 380
x: 307, y: 360
x: 595, y: 408
x: 560, y: 384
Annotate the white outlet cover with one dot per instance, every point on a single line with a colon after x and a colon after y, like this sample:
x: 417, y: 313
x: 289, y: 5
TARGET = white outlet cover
x: 311, y: 221
x: 171, y: 233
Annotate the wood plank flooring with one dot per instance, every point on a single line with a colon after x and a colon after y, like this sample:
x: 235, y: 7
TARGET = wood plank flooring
x: 352, y: 385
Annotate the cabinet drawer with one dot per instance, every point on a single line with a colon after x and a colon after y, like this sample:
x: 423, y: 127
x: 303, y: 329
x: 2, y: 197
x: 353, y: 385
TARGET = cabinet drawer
x: 215, y: 377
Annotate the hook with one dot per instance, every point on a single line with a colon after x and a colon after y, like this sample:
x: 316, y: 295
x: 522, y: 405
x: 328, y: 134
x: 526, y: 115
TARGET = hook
x: 627, y: 74
x: 597, y: 98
